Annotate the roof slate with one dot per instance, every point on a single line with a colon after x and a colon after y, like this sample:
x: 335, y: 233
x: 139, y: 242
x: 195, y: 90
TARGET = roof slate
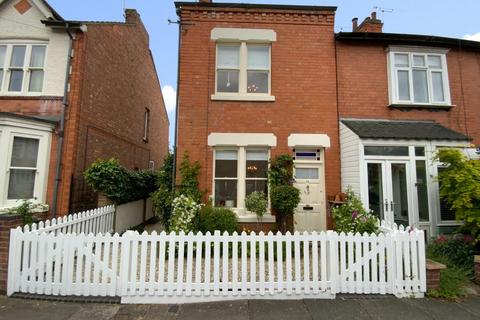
x: 417, y: 130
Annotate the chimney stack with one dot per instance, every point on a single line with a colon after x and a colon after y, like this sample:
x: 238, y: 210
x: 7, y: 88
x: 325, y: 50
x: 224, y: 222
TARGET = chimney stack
x: 370, y: 24
x: 354, y: 24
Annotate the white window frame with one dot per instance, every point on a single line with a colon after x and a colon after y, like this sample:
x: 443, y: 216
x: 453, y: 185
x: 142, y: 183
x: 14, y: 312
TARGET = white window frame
x: 242, y: 93
x: 9, y: 129
x: 242, y: 214
x: 417, y: 51
x: 26, y: 68
x: 146, y: 124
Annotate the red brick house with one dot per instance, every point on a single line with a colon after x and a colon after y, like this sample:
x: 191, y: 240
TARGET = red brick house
x: 260, y: 80
x: 72, y: 92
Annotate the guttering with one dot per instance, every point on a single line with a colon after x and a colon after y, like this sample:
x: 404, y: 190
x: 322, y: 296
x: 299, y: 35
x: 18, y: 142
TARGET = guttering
x: 58, y: 165
x: 179, y: 4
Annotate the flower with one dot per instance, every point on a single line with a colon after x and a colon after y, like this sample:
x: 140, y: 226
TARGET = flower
x: 441, y: 239
x: 354, y: 214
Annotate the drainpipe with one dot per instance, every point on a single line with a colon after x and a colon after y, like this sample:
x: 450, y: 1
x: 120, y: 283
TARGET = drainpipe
x: 62, y: 124
x: 176, y: 107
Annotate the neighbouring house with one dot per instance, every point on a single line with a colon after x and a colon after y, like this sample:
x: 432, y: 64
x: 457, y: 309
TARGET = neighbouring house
x: 365, y: 109
x: 401, y: 97
x: 72, y: 92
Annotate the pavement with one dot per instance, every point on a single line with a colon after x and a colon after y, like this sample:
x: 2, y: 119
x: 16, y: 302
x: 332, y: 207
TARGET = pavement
x: 344, y: 307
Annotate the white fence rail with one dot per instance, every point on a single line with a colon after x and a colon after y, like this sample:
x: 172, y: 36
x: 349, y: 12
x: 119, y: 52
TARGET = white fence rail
x: 171, y: 268
x: 99, y: 220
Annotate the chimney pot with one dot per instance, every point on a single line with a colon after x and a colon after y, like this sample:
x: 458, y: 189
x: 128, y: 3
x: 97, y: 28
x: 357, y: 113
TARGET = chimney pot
x: 354, y: 24
x: 205, y: 1
x: 374, y: 15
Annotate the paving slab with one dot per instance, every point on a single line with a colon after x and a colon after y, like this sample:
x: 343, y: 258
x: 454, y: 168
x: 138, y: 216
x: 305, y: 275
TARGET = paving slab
x: 231, y: 310
x: 392, y: 309
x: 161, y: 312
x: 36, y: 310
x: 278, y: 310
x: 336, y: 309
x: 131, y: 312
x: 441, y: 309
x: 472, y: 305
x: 95, y: 312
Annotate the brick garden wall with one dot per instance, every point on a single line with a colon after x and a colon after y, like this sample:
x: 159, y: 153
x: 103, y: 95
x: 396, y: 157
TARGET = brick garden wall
x: 303, y: 82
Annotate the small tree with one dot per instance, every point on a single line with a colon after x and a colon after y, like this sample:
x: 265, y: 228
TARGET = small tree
x: 257, y: 202
x: 460, y: 188
x: 283, y: 195
x: 162, y: 198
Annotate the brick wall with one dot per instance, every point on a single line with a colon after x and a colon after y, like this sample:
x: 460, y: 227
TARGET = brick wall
x: 117, y: 81
x: 303, y: 82
x: 363, y: 88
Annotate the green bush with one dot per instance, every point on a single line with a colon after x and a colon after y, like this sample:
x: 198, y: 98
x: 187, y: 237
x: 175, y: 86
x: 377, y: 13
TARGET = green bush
x: 352, y: 217
x: 458, y: 251
x: 189, y: 173
x: 460, y: 187
x: 257, y: 202
x: 162, y: 198
x: 284, y: 199
x: 221, y: 219
x: 184, y: 212
x: 117, y: 183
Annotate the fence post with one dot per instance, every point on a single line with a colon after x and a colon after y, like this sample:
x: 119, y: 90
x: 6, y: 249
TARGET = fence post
x: 333, y: 256
x: 12, y: 261
x: 124, y: 263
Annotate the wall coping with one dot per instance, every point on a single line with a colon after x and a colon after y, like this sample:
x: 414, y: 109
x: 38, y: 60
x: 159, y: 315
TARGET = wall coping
x: 433, y: 265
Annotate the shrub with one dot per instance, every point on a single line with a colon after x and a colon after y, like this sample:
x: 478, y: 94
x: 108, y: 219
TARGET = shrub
x: 452, y: 281
x: 285, y: 199
x: 185, y: 209
x: 162, y: 198
x: 189, y: 179
x: 257, y: 202
x: 221, y: 219
x: 26, y: 210
x: 457, y: 251
x: 117, y: 183
x: 281, y: 170
x: 460, y: 187
x: 352, y: 217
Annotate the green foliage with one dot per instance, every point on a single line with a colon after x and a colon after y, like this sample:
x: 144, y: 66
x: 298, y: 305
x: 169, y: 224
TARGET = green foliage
x: 452, y: 279
x: 352, y: 217
x: 284, y: 196
x: 185, y: 209
x: 285, y: 199
x: 26, y: 209
x: 460, y: 187
x: 117, y: 183
x: 257, y: 202
x: 162, y: 198
x: 189, y: 173
x: 222, y: 219
x: 457, y: 250
x: 281, y: 171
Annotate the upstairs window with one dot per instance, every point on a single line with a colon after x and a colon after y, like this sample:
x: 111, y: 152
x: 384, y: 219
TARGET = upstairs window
x: 22, y: 68
x: 419, y: 78
x: 243, y: 69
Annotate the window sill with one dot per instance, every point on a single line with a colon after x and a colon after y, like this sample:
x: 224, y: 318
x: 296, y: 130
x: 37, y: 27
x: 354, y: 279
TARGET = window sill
x: 242, y: 97
x: 251, y: 218
x: 421, y: 106
x: 7, y: 208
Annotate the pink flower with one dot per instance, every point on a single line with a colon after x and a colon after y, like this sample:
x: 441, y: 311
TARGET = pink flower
x: 441, y: 239
x: 354, y: 214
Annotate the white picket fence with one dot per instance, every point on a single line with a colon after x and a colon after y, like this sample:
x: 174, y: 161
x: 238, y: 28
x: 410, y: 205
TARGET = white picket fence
x: 171, y: 268
x: 99, y: 220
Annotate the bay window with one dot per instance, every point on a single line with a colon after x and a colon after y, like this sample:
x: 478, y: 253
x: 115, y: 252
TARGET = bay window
x: 418, y: 77
x: 22, y: 68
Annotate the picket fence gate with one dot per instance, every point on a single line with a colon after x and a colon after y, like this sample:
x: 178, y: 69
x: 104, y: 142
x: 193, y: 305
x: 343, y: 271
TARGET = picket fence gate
x: 176, y: 268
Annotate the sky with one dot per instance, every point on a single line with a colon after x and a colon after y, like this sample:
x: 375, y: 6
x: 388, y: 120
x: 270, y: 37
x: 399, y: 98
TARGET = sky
x: 450, y: 18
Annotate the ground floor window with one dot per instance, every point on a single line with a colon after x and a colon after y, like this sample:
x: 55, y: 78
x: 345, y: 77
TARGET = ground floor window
x: 25, y: 149
x: 237, y: 173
